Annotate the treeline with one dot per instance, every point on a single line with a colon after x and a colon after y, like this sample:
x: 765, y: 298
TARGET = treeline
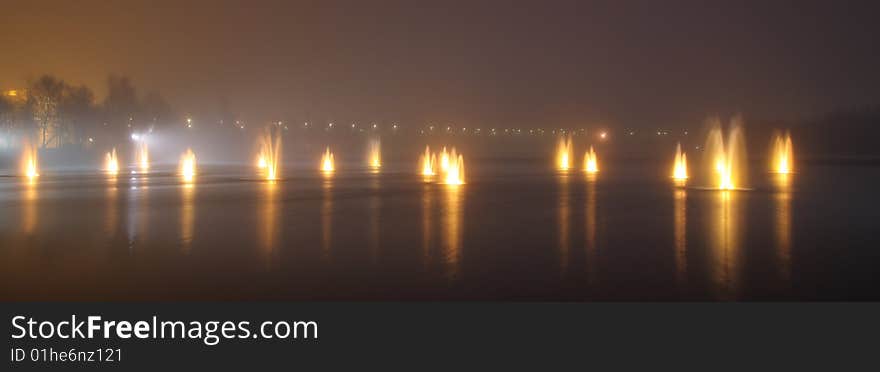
x: 51, y: 113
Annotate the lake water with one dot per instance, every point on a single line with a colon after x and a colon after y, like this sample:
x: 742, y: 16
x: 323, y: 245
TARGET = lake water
x: 518, y: 231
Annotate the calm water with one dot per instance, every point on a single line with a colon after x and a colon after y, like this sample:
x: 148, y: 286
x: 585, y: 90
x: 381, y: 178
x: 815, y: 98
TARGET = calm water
x: 514, y: 232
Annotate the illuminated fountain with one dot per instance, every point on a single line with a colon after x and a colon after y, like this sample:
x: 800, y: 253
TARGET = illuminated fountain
x: 428, y: 162
x: 451, y: 165
x: 783, y: 154
x: 327, y: 163
x: 29, y: 162
x: 269, y: 157
x: 454, y: 174
x: 679, y: 169
x: 188, y: 166
x: 111, y: 164
x: 591, y: 162
x: 375, y: 154
x: 726, y: 157
x: 142, y: 155
x: 564, y: 153
x: 444, y: 160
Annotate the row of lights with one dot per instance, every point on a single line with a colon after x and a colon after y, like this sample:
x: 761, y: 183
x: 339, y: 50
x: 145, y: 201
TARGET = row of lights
x: 431, y: 129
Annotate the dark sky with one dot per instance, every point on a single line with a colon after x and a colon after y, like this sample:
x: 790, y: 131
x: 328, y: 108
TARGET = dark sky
x: 535, y: 63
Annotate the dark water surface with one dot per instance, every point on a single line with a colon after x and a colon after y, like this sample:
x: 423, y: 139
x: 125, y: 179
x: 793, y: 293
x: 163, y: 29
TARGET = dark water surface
x: 513, y: 232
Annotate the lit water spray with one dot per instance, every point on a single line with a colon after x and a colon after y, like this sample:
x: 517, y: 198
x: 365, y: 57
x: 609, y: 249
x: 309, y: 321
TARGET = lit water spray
x: 29, y: 161
x: 783, y: 154
x: 142, y: 155
x: 269, y: 157
x: 444, y: 160
x: 564, y: 153
x: 188, y: 166
x: 591, y: 162
x: 327, y: 163
x: 726, y: 157
x: 454, y: 174
x: 111, y: 163
x: 679, y: 169
x: 375, y: 154
x: 428, y: 162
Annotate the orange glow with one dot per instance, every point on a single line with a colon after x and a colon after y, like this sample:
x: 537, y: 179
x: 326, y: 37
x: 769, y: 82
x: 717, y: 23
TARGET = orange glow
x: 444, y: 160
x: 428, y: 162
x: 783, y: 154
x: 591, y: 162
x: 29, y: 161
x: 564, y: 153
x: 269, y: 157
x: 188, y: 166
x: 454, y: 174
x: 375, y: 154
x: 679, y: 169
x: 111, y: 164
x: 726, y: 156
x: 142, y: 155
x: 327, y: 162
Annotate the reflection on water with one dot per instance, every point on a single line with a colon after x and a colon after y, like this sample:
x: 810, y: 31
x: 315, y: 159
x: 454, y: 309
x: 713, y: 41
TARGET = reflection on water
x: 564, y: 220
x: 724, y: 243
x: 327, y: 215
x: 187, y: 215
x: 374, y: 207
x: 427, y: 221
x: 592, y: 251
x: 680, y: 234
x: 138, y: 211
x: 452, y: 227
x: 488, y: 239
x: 782, y: 200
x: 29, y: 212
x: 268, y: 218
x: 111, y: 220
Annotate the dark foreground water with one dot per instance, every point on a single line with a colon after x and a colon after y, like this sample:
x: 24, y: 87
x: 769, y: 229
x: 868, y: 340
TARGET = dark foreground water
x: 513, y: 232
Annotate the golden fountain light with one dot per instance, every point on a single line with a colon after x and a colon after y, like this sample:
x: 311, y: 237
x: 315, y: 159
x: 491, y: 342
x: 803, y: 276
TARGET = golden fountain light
x: 142, y: 155
x: 375, y: 154
x: 444, y: 160
x: 327, y: 163
x: 726, y: 158
x: 591, y: 162
x: 454, y: 174
x: 783, y: 154
x: 269, y: 157
x: 29, y: 161
x: 111, y: 163
x: 679, y: 169
x: 428, y: 162
x: 188, y: 166
x: 564, y: 153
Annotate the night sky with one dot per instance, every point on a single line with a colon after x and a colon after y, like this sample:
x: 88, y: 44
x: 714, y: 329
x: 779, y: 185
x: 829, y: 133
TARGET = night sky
x: 537, y: 63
